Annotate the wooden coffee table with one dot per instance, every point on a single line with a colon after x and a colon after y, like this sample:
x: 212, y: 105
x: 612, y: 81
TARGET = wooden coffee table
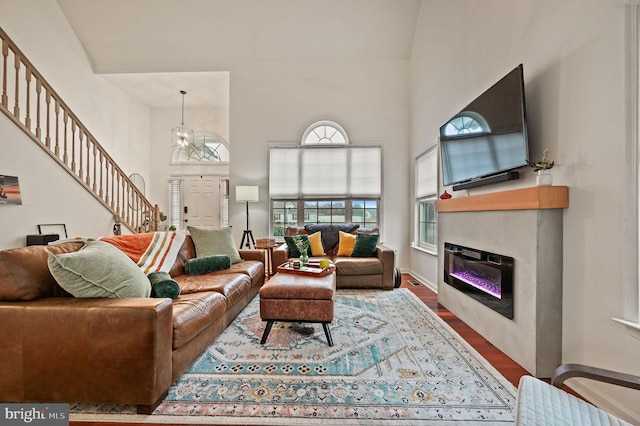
x: 298, y: 297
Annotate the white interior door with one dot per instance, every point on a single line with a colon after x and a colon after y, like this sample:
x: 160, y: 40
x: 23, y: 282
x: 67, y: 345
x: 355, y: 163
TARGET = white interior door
x: 201, y: 201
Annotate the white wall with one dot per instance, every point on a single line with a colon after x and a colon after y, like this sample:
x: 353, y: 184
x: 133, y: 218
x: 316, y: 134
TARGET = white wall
x: 573, y: 56
x: 49, y: 194
x: 119, y: 122
x: 275, y: 102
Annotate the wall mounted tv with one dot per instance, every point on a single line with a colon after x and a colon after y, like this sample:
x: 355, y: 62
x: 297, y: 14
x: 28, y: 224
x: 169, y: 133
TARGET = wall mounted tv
x: 487, y: 141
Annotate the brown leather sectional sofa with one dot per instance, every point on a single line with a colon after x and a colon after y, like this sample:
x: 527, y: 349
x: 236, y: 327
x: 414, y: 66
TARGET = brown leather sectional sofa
x: 58, y: 348
x: 377, y: 272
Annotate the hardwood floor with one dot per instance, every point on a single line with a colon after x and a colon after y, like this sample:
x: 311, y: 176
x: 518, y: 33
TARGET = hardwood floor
x: 501, y: 362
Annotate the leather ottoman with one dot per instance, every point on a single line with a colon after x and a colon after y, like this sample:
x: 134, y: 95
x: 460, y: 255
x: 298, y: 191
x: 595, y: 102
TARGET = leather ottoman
x: 289, y: 297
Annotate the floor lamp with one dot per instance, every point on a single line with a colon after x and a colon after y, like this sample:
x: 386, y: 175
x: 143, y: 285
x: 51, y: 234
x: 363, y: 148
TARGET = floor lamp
x: 248, y: 194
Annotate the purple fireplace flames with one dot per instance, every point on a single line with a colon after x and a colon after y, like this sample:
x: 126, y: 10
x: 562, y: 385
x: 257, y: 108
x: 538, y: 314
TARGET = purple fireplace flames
x: 479, y: 282
x: 483, y: 276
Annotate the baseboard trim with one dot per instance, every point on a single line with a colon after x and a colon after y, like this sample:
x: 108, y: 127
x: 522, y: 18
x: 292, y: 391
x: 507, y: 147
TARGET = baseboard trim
x: 423, y: 280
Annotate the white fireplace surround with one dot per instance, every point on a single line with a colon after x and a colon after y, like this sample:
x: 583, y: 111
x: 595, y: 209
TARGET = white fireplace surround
x: 525, y: 224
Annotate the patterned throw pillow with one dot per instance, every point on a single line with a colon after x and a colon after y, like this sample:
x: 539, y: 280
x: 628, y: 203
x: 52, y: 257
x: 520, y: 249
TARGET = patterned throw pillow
x: 345, y: 246
x: 209, y: 242
x: 365, y: 245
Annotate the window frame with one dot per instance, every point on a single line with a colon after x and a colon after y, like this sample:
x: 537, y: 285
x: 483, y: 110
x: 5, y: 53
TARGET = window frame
x: 324, y: 123
x: 426, y: 245
x: 209, y: 141
x: 351, y: 181
x: 631, y: 273
x: 425, y: 196
x: 300, y: 210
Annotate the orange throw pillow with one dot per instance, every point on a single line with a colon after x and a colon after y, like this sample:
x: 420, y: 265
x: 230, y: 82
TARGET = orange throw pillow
x: 346, y: 244
x: 315, y: 243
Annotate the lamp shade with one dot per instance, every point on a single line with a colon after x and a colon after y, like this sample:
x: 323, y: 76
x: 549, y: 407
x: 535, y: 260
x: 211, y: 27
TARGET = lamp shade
x: 247, y: 193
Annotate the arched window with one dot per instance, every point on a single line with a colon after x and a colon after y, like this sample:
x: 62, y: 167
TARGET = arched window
x: 466, y: 122
x: 324, y: 180
x: 324, y: 133
x: 206, y: 148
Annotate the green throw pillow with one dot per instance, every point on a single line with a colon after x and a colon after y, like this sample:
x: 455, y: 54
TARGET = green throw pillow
x: 98, y: 270
x: 162, y: 285
x: 209, y: 242
x: 365, y: 245
x: 202, y: 265
x: 291, y: 245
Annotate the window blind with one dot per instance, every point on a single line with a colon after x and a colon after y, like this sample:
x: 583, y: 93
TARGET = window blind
x: 427, y: 173
x: 175, y: 190
x: 325, y: 172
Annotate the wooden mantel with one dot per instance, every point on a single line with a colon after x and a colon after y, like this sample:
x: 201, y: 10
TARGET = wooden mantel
x: 537, y: 197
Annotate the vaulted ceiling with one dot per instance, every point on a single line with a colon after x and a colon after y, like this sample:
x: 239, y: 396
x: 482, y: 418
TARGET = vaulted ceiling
x: 184, y: 42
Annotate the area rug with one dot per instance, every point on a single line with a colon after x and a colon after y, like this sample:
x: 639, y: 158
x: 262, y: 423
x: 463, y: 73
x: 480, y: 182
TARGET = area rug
x: 393, y: 362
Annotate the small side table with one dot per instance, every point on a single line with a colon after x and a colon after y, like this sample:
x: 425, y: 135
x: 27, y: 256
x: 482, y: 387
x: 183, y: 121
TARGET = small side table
x: 270, y: 270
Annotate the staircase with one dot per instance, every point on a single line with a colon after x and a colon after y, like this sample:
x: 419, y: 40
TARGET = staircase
x: 32, y: 104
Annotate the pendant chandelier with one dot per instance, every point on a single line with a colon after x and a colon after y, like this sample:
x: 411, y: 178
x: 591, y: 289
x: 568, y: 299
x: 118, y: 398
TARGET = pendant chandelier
x: 182, y: 136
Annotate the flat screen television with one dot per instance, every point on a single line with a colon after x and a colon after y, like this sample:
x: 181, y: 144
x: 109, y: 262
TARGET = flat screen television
x: 487, y: 141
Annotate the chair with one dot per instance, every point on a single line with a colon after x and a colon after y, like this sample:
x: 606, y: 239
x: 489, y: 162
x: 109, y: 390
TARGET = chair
x: 541, y: 404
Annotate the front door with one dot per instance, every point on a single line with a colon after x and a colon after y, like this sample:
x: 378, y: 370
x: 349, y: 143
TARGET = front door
x: 201, y: 201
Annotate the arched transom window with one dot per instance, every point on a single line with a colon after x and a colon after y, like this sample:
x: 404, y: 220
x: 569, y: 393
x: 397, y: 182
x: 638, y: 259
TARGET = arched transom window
x: 324, y: 133
x: 206, y: 148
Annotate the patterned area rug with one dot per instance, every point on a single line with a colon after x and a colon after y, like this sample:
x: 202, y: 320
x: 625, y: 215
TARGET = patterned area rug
x: 393, y: 361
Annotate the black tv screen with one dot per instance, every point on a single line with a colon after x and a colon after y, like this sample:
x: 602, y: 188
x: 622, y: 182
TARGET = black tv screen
x: 489, y: 136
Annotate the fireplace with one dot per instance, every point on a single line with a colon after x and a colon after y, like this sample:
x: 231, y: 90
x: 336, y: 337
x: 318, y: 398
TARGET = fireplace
x: 486, y: 277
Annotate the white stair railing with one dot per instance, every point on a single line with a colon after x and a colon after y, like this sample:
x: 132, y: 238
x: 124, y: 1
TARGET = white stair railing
x: 32, y: 104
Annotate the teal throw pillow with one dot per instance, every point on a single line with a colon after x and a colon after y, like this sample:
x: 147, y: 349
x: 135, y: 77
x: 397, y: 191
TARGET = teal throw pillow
x: 202, y: 265
x: 209, y: 242
x: 98, y: 270
x: 162, y: 285
x: 365, y: 245
x: 291, y: 244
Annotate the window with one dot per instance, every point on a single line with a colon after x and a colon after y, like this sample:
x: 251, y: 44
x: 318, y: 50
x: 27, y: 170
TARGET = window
x: 283, y: 214
x: 324, y: 132
x: 332, y: 212
x: 206, y: 148
x: 175, y: 211
x: 426, y: 196
x: 365, y: 213
x: 631, y: 311
x: 324, y: 180
x: 428, y: 224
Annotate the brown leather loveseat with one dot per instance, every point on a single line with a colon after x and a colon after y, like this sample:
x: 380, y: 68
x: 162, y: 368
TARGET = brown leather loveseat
x: 376, y: 272
x: 59, y: 348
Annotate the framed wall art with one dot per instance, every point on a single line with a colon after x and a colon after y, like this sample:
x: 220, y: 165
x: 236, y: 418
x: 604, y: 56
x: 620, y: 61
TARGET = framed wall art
x: 9, y: 190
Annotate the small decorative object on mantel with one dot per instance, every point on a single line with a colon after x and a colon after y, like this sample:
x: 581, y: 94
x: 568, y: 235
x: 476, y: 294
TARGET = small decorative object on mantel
x: 445, y: 195
x: 542, y: 168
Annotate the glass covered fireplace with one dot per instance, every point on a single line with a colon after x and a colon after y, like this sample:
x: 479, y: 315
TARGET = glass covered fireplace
x: 486, y: 277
